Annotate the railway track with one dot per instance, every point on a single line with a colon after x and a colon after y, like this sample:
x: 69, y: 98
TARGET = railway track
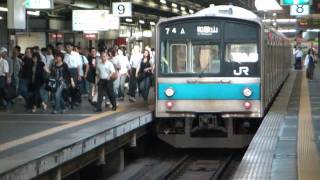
x: 181, y: 167
x: 194, y: 167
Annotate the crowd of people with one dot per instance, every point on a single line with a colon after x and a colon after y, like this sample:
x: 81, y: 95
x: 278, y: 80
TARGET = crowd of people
x: 59, y: 76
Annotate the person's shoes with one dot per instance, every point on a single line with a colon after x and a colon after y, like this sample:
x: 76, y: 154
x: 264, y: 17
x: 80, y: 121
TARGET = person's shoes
x: 98, y: 110
x: 44, y: 106
x: 54, y: 112
x: 132, y: 99
x: 34, y: 109
x: 114, y: 108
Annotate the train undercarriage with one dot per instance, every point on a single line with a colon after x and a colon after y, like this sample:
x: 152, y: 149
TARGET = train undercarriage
x: 207, y: 131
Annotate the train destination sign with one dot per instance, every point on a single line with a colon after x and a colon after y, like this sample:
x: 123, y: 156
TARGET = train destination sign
x: 207, y: 30
x: 200, y: 30
x: 295, y: 2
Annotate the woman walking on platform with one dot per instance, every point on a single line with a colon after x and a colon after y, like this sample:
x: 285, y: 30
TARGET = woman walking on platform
x: 144, y: 73
x: 310, y: 63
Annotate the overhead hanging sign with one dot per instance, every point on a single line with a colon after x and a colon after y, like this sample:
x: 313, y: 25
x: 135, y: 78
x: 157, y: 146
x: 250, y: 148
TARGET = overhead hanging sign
x: 94, y: 20
x: 16, y: 15
x: 122, y: 9
x: 39, y: 4
x: 299, y: 10
x: 295, y: 2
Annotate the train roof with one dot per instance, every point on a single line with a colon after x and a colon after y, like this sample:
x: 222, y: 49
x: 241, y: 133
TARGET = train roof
x: 228, y: 11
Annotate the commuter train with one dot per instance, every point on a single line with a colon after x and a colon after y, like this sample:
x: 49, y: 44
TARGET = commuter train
x: 217, y: 72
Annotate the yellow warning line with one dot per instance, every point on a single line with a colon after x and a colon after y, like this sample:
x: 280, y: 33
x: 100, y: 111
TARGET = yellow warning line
x: 308, y: 158
x: 54, y: 130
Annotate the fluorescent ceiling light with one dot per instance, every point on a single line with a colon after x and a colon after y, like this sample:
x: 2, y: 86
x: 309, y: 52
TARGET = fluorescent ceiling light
x: 182, y: 8
x: 90, y: 32
x: 281, y: 21
x: 1, y: 17
x: 272, y: 5
x: 33, y: 13
x: 128, y: 20
x: 287, y: 30
x: 191, y: 11
x: 163, y: 1
x: 152, y: 23
x: 175, y: 10
x: 313, y: 30
x: 141, y: 21
x: 286, y: 20
x: 4, y: 9
x: 174, y: 5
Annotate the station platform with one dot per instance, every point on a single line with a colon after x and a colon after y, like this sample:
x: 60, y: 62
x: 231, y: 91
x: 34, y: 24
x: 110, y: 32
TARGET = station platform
x: 32, y: 144
x: 287, y: 143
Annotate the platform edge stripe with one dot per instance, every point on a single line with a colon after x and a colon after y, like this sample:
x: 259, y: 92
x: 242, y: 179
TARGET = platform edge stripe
x: 253, y: 165
x: 86, y: 142
x: 32, y: 137
x: 307, y: 155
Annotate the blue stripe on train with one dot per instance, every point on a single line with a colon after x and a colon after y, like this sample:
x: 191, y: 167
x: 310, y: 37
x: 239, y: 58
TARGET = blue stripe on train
x: 208, y: 91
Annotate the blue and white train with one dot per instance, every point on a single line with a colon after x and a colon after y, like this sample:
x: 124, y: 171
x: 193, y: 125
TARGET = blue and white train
x: 217, y: 73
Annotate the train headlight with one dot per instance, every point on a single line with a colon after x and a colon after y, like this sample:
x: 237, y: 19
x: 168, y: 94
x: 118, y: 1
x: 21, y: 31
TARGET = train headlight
x: 247, y: 92
x: 169, y: 92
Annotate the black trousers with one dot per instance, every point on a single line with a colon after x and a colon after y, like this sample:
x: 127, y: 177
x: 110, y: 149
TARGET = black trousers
x: 74, y: 92
x: 133, y: 83
x: 2, y: 84
x: 105, y: 87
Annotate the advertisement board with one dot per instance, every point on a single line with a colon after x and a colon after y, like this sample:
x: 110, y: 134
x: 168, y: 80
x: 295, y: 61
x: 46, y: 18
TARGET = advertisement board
x: 94, y: 20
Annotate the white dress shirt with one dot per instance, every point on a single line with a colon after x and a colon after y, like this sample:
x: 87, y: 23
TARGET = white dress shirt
x: 135, y: 60
x: 4, y: 67
x: 73, y: 60
x: 104, y: 70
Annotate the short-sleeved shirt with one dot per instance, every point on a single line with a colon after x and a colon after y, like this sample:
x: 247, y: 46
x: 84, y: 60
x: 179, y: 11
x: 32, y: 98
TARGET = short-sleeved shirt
x: 4, y: 67
x: 49, y: 60
x: 73, y: 60
x: 135, y: 60
x: 298, y: 53
x: 124, y: 64
x: 84, y: 61
x: 105, y: 70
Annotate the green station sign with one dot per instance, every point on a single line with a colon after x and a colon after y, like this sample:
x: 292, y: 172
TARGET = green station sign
x: 295, y: 2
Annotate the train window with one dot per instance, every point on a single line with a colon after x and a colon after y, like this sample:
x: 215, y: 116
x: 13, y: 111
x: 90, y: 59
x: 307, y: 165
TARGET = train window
x: 205, y: 59
x: 241, y: 52
x: 178, y: 58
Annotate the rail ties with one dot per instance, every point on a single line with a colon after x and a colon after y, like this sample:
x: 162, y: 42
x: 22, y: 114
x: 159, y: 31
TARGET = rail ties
x: 222, y: 168
x: 174, y: 171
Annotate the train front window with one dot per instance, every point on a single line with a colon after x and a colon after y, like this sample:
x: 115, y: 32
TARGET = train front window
x: 178, y: 59
x: 242, y: 52
x: 205, y: 59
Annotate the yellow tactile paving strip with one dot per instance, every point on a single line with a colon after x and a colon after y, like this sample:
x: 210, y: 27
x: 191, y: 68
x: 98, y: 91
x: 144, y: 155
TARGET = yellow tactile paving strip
x: 308, y: 158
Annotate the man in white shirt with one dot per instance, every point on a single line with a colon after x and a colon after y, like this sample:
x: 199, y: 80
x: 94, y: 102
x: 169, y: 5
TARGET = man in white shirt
x: 135, y: 61
x: 298, y: 56
x: 73, y: 60
x: 105, y: 70
x: 4, y: 74
x: 123, y: 72
x: 83, y: 71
